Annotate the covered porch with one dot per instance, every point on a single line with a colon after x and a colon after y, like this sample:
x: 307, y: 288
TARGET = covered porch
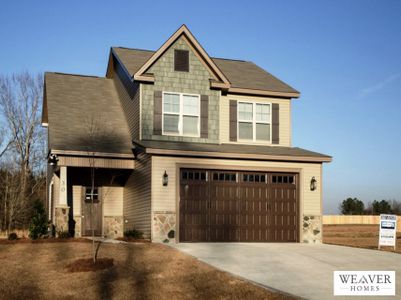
x: 80, y: 208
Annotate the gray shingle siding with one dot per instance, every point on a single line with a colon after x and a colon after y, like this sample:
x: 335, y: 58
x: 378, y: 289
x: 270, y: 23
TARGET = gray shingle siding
x: 196, y: 81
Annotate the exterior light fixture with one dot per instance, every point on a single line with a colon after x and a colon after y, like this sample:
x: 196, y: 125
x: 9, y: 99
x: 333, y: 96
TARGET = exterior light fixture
x: 52, y: 160
x: 165, y: 178
x: 313, y: 182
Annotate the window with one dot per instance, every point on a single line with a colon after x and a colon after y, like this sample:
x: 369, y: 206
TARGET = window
x: 222, y: 176
x: 88, y: 194
x: 254, y: 121
x: 194, y: 175
x: 254, y: 178
x: 181, y: 60
x: 283, y: 179
x: 181, y: 114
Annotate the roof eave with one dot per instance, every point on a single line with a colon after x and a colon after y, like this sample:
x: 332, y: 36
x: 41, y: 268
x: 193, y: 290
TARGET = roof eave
x: 247, y: 156
x: 236, y: 90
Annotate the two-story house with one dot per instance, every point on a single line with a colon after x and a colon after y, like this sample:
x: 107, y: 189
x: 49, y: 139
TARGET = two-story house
x: 181, y: 146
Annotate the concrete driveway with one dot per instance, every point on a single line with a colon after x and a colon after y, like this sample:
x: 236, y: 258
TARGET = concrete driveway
x: 300, y: 269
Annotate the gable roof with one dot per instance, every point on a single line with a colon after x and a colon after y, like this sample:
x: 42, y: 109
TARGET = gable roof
x: 184, y: 32
x: 75, y: 104
x: 242, y: 75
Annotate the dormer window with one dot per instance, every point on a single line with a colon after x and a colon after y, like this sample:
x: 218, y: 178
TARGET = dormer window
x: 181, y: 60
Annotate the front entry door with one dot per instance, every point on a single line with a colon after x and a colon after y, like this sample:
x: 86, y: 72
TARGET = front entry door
x: 91, y: 212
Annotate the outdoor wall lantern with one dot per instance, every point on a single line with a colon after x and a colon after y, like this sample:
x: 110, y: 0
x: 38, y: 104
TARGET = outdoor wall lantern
x: 165, y: 178
x: 313, y: 182
x: 52, y: 160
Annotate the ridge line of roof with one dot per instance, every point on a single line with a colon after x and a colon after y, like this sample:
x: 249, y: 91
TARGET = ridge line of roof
x: 147, y: 50
x: 138, y: 49
x: 74, y: 74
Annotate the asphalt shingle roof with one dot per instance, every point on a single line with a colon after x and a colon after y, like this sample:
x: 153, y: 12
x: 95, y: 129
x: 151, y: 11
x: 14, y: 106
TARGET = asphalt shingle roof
x: 240, y: 73
x: 85, y: 114
x: 233, y: 148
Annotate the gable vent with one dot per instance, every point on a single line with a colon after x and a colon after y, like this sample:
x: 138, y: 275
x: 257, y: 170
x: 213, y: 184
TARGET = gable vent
x: 181, y: 60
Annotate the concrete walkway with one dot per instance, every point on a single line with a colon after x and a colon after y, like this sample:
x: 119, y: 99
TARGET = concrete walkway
x: 300, y: 269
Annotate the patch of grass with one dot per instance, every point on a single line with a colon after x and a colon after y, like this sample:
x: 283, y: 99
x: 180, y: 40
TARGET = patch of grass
x: 359, y: 236
x: 43, y: 241
x: 87, y: 265
x: 139, y: 271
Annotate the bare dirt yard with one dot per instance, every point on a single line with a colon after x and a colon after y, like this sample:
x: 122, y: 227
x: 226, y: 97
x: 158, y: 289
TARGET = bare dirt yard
x: 361, y: 236
x: 139, y: 271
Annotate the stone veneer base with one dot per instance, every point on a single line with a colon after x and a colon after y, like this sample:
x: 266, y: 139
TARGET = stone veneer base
x: 312, y: 229
x: 61, y: 218
x: 113, y: 227
x: 163, y: 223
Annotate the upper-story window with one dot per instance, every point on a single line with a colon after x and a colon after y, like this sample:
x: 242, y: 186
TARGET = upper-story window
x: 181, y: 60
x: 181, y: 114
x: 254, y: 122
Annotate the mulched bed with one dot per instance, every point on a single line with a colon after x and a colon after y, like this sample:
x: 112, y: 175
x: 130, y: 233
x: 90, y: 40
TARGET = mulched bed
x: 87, y: 265
x: 132, y: 240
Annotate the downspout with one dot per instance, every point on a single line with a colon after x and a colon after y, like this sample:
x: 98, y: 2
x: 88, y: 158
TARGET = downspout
x: 50, y: 200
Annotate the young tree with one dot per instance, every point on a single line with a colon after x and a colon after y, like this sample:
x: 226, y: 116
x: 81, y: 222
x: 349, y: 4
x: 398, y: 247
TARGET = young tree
x: 352, y: 206
x: 96, y: 132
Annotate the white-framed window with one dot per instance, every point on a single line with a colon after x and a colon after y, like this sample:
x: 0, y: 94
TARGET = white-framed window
x: 254, y: 122
x: 181, y: 114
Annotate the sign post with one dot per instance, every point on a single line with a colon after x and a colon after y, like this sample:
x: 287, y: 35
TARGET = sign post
x: 388, y: 231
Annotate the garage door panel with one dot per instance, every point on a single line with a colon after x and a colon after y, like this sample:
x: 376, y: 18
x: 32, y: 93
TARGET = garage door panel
x: 239, y: 206
x: 224, y: 221
x: 194, y: 195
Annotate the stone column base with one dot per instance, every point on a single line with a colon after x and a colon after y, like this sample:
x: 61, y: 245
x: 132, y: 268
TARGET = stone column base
x: 312, y: 229
x: 113, y: 227
x: 164, y: 223
x: 61, y: 218
x: 78, y: 222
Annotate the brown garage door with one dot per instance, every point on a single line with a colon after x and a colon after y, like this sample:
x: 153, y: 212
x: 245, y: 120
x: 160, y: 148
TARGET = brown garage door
x: 230, y: 206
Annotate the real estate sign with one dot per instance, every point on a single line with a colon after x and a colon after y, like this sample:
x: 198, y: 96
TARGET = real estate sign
x: 388, y: 230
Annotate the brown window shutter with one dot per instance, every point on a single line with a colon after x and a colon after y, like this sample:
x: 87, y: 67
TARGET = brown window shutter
x: 275, y: 123
x: 181, y: 60
x: 204, y: 121
x: 157, y: 113
x: 233, y: 120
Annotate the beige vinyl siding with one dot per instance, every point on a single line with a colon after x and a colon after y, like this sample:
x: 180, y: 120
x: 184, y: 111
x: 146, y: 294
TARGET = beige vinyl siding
x: 76, y: 199
x: 110, y: 163
x: 137, y: 196
x: 112, y: 198
x: 130, y: 106
x: 285, y: 117
x: 164, y: 198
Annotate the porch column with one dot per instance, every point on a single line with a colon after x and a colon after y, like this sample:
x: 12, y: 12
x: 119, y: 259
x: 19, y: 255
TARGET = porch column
x: 63, y: 186
x: 62, y: 209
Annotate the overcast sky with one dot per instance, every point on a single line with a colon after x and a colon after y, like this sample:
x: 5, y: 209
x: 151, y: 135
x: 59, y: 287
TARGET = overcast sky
x: 343, y: 56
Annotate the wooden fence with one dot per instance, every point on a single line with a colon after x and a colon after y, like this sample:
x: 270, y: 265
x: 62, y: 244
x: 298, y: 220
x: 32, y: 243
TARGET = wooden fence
x: 364, y: 220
